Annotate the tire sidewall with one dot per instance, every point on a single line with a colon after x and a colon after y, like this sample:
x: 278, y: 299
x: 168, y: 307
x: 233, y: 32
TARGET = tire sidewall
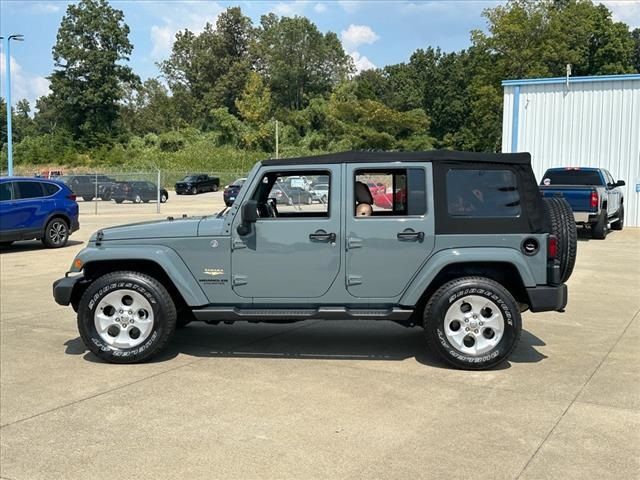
x: 48, y: 241
x: 434, y: 324
x: 86, y: 324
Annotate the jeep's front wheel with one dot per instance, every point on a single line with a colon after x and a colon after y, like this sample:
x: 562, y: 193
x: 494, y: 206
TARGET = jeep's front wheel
x: 126, y: 317
x: 473, y: 323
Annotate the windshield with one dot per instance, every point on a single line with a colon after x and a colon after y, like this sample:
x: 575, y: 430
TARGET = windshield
x: 572, y: 177
x: 239, y: 182
x: 189, y: 178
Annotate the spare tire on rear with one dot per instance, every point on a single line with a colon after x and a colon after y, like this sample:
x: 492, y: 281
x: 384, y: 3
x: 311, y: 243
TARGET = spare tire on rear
x: 563, y: 226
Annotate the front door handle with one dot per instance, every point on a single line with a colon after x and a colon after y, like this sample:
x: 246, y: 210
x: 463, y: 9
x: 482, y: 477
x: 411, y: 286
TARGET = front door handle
x: 322, y: 236
x: 409, y: 235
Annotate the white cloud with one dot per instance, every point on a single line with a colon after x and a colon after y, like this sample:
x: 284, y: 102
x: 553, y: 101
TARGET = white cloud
x: 627, y: 11
x: 361, y: 62
x: 46, y: 7
x: 349, y: 6
x: 356, y: 35
x: 176, y: 17
x: 320, y: 8
x: 290, y: 9
x: 23, y: 84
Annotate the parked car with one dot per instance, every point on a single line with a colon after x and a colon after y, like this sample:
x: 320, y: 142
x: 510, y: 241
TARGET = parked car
x: 320, y: 192
x: 138, y: 192
x: 33, y: 208
x: 594, y: 196
x: 195, y: 184
x: 231, y: 191
x: 285, y: 195
x: 86, y: 186
x: 463, y: 276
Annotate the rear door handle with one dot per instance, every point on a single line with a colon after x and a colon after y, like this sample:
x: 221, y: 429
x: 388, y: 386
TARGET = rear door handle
x: 409, y: 235
x: 322, y: 236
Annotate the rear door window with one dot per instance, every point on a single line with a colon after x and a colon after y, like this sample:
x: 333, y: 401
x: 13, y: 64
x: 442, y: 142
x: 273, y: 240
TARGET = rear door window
x: 482, y: 193
x: 29, y: 190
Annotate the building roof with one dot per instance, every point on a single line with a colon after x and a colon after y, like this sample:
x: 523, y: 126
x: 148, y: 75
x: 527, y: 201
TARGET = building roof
x: 386, y: 157
x: 589, y: 79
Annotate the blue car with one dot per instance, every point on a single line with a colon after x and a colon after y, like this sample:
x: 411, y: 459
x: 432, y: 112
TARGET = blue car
x: 36, y: 208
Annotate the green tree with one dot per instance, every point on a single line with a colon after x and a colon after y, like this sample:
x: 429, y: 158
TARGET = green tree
x: 87, y: 85
x: 298, y: 61
x: 211, y: 67
x: 527, y: 39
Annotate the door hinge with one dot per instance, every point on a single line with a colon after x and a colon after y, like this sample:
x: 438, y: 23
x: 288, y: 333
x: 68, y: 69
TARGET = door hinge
x: 354, y: 280
x: 354, y: 242
x: 239, y: 280
x: 238, y: 243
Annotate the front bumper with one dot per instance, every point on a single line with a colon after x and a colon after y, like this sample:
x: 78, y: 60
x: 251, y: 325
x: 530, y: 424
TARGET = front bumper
x: 63, y: 289
x: 544, y: 298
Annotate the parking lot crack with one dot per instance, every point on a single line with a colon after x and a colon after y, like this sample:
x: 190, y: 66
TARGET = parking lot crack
x: 576, y: 396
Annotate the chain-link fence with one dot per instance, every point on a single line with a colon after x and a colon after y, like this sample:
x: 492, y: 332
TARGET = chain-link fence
x: 149, y: 187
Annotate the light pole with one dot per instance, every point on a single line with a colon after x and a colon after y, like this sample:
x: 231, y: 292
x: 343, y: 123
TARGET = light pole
x: 7, y: 51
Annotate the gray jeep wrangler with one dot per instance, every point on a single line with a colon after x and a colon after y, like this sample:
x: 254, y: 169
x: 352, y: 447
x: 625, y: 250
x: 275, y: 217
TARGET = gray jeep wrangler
x: 456, y: 243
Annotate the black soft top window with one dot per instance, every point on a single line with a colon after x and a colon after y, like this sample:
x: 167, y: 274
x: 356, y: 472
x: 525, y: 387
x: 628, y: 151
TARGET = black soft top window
x: 572, y: 177
x: 487, y: 198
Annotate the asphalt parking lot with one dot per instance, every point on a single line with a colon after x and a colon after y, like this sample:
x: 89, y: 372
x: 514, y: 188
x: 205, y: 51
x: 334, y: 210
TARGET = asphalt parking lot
x: 319, y: 399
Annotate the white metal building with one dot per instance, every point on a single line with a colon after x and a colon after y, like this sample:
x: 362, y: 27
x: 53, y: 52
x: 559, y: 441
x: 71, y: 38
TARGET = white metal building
x: 578, y: 121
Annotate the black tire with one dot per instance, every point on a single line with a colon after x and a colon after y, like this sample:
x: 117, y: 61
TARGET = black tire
x: 215, y: 188
x: 194, y: 190
x: 562, y: 224
x: 87, y: 198
x: 106, y: 196
x: 455, y: 291
x: 119, y: 200
x: 323, y: 199
x: 56, y: 233
x: 164, y: 316
x: 6, y: 244
x: 619, y: 224
x: 164, y: 197
x: 137, y: 199
x: 600, y: 229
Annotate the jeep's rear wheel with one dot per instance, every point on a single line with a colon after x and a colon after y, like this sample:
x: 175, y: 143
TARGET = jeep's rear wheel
x: 126, y: 317
x: 472, y: 323
x: 562, y: 224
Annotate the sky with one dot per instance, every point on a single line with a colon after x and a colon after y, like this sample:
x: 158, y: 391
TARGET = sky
x: 375, y: 33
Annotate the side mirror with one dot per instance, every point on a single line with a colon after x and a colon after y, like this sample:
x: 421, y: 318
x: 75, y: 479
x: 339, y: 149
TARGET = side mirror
x: 248, y: 215
x: 620, y: 183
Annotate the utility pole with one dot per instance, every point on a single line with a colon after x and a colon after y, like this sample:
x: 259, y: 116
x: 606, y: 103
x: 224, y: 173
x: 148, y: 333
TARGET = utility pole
x: 277, y: 145
x: 7, y: 51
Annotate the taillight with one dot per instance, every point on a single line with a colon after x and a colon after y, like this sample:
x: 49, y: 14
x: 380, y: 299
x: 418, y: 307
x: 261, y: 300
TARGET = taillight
x: 552, y: 247
x: 71, y: 197
x: 594, y: 199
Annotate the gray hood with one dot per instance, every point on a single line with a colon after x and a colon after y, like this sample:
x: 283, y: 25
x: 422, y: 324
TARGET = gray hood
x: 179, y: 227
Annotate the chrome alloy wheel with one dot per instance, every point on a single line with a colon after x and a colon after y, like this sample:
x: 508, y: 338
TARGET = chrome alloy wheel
x: 474, y: 325
x: 124, y: 319
x: 57, y: 232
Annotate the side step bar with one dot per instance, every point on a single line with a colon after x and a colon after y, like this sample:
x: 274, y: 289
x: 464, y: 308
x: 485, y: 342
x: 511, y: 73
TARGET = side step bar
x: 324, y: 313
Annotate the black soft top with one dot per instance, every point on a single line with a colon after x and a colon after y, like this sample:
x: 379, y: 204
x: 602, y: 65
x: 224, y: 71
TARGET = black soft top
x: 382, y: 157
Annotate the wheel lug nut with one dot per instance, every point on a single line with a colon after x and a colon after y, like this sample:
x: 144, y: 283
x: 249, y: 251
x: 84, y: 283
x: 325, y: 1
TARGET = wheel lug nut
x: 475, y: 331
x: 481, y: 323
x: 466, y: 320
x: 466, y: 329
x: 120, y: 311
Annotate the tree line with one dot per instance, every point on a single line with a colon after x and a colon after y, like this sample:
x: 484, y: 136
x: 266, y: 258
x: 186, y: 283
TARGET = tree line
x: 220, y: 91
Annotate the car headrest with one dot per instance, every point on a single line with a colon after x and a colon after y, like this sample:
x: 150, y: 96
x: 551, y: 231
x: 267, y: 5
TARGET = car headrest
x: 363, y: 194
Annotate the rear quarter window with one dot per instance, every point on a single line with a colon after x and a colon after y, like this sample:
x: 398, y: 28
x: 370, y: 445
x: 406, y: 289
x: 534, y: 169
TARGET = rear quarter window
x: 50, y: 189
x: 482, y: 193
